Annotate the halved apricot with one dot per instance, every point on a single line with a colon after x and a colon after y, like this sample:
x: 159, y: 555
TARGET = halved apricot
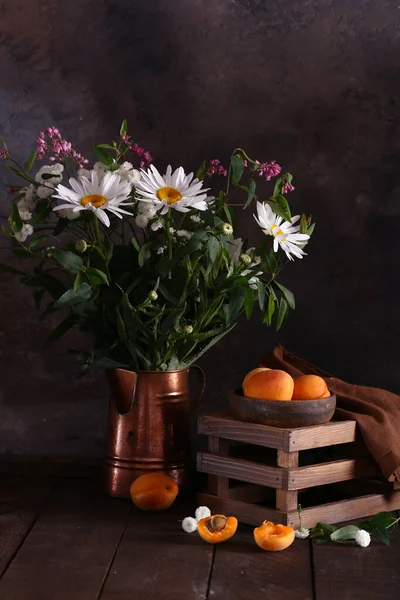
x: 217, y: 528
x: 153, y: 491
x: 273, y: 537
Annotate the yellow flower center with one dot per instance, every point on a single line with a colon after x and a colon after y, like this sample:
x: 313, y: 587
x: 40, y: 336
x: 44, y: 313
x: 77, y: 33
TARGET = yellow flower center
x: 170, y: 194
x: 279, y: 232
x: 94, y: 199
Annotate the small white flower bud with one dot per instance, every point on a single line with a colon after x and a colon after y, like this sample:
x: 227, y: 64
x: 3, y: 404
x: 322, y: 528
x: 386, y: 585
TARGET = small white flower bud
x: 202, y: 512
x: 189, y: 524
x: 363, y: 538
x: 153, y: 295
x: 245, y: 259
x: 188, y: 329
x: 302, y: 533
x: 81, y: 246
x: 226, y: 229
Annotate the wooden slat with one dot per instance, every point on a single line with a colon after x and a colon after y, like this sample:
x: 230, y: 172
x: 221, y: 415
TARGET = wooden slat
x: 226, y: 427
x: 319, y: 436
x: 21, y: 499
x: 330, y: 472
x: 70, y: 548
x: 242, y: 571
x: 251, y: 493
x: 252, y: 514
x: 217, y: 484
x: 286, y: 501
x: 348, y: 572
x: 346, y: 510
x: 157, y: 560
x: 243, y: 470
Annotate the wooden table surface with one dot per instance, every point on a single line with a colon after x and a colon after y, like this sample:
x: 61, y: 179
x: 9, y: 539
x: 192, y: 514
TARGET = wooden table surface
x: 62, y: 539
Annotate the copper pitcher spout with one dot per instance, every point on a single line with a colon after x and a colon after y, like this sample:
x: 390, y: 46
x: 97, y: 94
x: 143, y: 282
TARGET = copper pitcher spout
x: 148, y: 427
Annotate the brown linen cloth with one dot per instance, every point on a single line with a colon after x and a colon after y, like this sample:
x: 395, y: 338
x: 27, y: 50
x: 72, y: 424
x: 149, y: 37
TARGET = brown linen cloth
x: 376, y: 411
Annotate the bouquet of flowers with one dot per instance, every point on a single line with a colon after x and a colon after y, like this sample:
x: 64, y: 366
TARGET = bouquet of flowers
x: 148, y: 264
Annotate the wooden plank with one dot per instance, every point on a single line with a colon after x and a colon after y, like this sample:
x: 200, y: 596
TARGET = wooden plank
x: 252, y: 514
x: 319, y: 436
x: 21, y: 499
x: 242, y: 571
x: 157, y: 559
x: 251, y: 493
x: 217, y: 484
x: 226, y: 427
x: 346, y: 510
x: 330, y: 472
x: 348, y: 572
x: 286, y: 501
x: 70, y: 548
x: 237, y: 468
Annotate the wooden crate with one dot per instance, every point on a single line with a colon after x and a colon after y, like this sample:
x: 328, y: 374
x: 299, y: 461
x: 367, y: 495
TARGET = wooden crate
x: 284, y: 480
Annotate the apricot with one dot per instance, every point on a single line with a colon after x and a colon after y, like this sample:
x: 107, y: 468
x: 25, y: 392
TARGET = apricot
x: 273, y: 537
x: 268, y: 384
x: 326, y: 394
x: 309, y: 387
x: 153, y: 491
x: 217, y: 528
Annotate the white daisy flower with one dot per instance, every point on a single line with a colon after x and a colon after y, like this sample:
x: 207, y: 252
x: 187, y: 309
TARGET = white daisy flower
x: 128, y: 173
x: 173, y: 190
x: 24, y: 233
x: 107, y: 195
x: 285, y: 235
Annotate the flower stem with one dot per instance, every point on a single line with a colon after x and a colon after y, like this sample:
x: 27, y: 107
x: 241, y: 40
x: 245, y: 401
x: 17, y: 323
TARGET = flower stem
x: 168, y: 233
x: 97, y: 232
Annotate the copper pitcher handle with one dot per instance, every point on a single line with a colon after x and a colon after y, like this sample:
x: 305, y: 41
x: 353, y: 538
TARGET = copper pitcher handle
x: 202, y: 381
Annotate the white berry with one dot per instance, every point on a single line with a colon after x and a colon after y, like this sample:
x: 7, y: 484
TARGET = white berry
x: 189, y: 524
x: 202, y: 512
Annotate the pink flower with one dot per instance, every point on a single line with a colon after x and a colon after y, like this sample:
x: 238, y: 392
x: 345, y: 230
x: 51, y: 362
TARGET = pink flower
x: 145, y: 159
x: 3, y: 154
x: 57, y: 147
x: 288, y: 187
x: 215, y: 168
x: 268, y: 169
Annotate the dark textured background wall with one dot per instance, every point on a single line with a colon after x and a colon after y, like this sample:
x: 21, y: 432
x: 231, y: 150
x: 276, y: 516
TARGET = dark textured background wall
x: 314, y: 84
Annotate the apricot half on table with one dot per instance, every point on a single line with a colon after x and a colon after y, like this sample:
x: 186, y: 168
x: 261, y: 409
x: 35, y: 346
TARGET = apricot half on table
x: 310, y: 387
x: 153, y: 491
x: 217, y: 528
x: 268, y: 384
x: 273, y: 537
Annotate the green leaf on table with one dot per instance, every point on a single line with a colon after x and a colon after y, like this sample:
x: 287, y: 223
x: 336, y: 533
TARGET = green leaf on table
x: 123, y: 128
x: 288, y: 295
x: 237, y: 168
x: 103, y: 156
x: 30, y: 162
x: 72, y: 297
x: 70, y: 261
x: 251, y: 193
x: 344, y: 533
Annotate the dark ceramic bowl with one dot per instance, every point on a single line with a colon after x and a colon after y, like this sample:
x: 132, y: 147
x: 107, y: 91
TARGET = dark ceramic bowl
x: 279, y: 413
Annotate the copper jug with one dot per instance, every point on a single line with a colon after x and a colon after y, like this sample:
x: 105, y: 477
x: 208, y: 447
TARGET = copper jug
x: 148, y: 427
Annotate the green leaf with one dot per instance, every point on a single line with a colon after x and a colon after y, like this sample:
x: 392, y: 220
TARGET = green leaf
x: 248, y: 302
x: 96, y: 276
x: 261, y: 295
x: 103, y: 156
x: 108, y: 363
x: 270, y: 262
x: 38, y: 240
x: 78, y: 281
x: 62, y: 328
x: 72, y: 297
x: 7, y: 269
x: 61, y: 225
x: 107, y: 146
x: 310, y: 229
x: 43, y: 279
x: 201, y: 172
x: 42, y: 211
x: 37, y: 297
x: 123, y: 128
x: 251, y: 193
x: 303, y: 223
x: 213, y: 247
x: 229, y: 214
x: 280, y: 206
x: 195, y: 357
x: 6, y: 231
x: 46, y: 176
x: 144, y: 253
x: 324, y: 527
x: 30, y: 162
x: 270, y: 310
x: 235, y: 304
x: 135, y: 244
x: 344, y: 533
x: 288, y: 295
x: 282, y: 312
x: 196, y: 242
x: 381, y: 534
x: 14, y: 219
x: 70, y: 261
x: 170, y: 322
x: 237, y: 168
x: 278, y: 186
